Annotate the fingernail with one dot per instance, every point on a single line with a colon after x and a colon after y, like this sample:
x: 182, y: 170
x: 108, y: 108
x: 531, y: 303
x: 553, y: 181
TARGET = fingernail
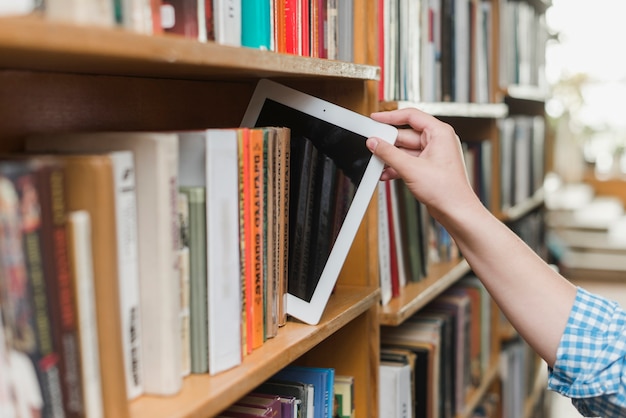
x: 371, y: 144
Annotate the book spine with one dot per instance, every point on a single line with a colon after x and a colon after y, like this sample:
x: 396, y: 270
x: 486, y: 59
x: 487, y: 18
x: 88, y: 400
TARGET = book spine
x: 69, y: 345
x: 198, y: 278
x: 184, y: 268
x: 81, y: 266
x: 384, y: 262
x: 256, y: 183
x: 244, y: 210
x: 181, y: 18
x: 255, y: 24
x: 395, y: 280
x: 283, y: 167
x: 223, y: 258
x: 270, y: 271
x: 291, y: 27
x: 128, y: 269
x: 279, y: 26
x: 47, y: 358
x: 227, y: 22
x: 208, y: 21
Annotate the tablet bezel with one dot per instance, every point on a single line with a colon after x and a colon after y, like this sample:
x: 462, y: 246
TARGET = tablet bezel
x: 311, y: 312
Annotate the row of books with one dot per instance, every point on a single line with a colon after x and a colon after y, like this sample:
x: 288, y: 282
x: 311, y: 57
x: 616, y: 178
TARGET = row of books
x: 316, y: 28
x: 410, y: 240
x: 436, y: 50
x: 523, y: 34
x: 181, y: 233
x: 522, y: 158
x: 445, y: 349
x: 520, y: 367
x: 298, y: 392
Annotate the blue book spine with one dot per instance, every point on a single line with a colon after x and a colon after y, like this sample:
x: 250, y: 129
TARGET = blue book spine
x: 256, y: 24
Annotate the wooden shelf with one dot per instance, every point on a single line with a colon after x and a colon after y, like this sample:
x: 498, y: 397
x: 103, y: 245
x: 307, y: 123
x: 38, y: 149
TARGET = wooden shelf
x: 203, y: 395
x: 530, y: 93
x: 451, y: 109
x: 519, y: 211
x: 415, y: 295
x: 33, y: 43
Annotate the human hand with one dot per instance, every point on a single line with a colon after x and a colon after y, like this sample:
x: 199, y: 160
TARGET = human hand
x: 428, y: 157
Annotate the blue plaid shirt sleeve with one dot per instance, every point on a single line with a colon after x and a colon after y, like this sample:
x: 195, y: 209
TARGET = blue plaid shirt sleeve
x: 590, y: 367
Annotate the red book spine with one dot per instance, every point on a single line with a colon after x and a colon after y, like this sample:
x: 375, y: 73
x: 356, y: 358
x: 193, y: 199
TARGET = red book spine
x: 291, y: 27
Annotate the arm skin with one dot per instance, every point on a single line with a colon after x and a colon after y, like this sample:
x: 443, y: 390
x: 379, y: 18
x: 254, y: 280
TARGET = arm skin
x: 428, y: 158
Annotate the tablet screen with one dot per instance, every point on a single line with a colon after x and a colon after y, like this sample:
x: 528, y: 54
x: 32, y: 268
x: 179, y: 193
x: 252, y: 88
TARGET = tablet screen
x: 327, y: 165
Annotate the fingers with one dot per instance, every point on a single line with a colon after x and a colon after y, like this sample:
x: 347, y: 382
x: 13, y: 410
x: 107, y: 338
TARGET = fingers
x: 391, y: 156
x: 417, y: 119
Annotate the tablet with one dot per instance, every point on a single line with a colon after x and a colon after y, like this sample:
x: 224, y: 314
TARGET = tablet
x: 332, y: 173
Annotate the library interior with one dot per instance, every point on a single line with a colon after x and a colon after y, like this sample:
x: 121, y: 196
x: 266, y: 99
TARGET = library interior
x: 164, y: 248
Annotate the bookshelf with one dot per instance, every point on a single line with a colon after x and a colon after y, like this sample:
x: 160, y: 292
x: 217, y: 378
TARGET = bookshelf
x: 56, y: 77
x: 510, y: 96
x: 61, y: 77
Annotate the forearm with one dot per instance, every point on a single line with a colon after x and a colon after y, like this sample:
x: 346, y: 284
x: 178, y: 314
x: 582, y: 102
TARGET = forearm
x: 536, y: 299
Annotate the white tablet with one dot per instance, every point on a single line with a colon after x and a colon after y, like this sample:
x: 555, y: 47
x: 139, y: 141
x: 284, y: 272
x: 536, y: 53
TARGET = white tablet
x: 333, y: 177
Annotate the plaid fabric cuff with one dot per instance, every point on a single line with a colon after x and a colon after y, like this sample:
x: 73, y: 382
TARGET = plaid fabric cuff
x: 590, y: 365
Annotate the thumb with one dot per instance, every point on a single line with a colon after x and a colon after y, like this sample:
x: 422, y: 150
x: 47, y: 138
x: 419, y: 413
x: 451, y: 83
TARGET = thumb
x: 389, y: 154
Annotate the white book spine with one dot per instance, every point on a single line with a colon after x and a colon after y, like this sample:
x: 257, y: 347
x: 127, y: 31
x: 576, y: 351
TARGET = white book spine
x: 137, y: 16
x: 224, y: 270
x: 128, y: 268
x: 164, y: 376
x: 92, y: 12
x: 86, y: 308
x: 384, y: 262
x: 227, y: 22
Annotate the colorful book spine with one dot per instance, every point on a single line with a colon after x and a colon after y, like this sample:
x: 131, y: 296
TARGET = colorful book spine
x: 255, y: 24
x: 256, y: 244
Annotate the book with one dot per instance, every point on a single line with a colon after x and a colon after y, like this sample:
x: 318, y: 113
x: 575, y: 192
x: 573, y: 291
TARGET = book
x: 209, y: 158
x: 471, y: 281
x: 30, y: 355
x: 241, y: 411
x: 184, y: 280
x: 344, y: 403
x: 393, y: 250
x: 79, y: 239
x: 302, y: 183
x: 262, y: 400
x: 395, y: 388
x: 92, y: 12
x: 384, y: 254
x: 21, y: 7
x: 298, y: 391
x: 255, y: 24
x: 156, y: 165
x: 418, y: 390
x: 321, y: 378
x: 182, y: 17
x: 254, y: 246
x: 429, y: 337
x: 128, y: 268
x: 141, y: 16
x: 90, y: 187
x: 410, y: 212
x: 48, y: 180
x: 271, y: 263
x: 196, y: 198
x: 281, y: 247
x: 227, y: 22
